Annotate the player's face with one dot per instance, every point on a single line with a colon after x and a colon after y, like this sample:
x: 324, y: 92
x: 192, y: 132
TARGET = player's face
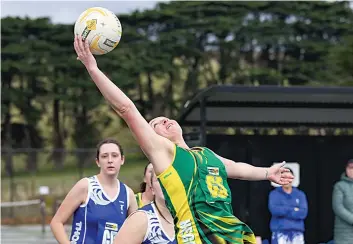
x: 148, y: 175
x: 165, y: 127
x: 156, y: 187
x: 349, y: 170
x: 110, y: 159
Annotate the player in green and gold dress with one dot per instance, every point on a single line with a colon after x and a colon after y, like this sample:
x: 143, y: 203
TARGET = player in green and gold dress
x: 199, y: 197
x: 193, y: 180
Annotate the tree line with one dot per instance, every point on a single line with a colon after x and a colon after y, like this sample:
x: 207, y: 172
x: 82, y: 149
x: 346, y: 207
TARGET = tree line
x: 165, y: 56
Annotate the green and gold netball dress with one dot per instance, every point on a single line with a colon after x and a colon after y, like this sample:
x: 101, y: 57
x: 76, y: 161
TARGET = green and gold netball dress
x: 138, y: 197
x: 198, y: 196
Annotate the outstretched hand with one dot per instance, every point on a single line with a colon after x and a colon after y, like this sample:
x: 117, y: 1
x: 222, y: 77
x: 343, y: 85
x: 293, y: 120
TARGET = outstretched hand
x: 83, y: 52
x: 280, y: 175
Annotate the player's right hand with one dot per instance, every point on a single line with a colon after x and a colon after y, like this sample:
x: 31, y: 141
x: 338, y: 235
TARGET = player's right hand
x: 84, y: 53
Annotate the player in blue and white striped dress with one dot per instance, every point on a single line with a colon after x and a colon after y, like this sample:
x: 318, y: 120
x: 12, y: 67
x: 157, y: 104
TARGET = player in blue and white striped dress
x: 99, y: 204
x: 151, y: 224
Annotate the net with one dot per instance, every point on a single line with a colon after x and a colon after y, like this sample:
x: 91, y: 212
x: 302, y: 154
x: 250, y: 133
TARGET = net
x: 21, y: 212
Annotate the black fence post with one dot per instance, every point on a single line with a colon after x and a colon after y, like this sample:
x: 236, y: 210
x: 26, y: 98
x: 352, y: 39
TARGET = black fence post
x: 203, y: 120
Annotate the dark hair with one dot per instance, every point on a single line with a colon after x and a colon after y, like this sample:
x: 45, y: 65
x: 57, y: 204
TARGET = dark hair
x: 349, y: 162
x: 108, y: 141
x: 143, y: 184
x: 290, y: 170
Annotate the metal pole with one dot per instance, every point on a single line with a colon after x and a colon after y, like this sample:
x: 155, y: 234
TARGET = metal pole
x: 43, y: 213
x: 203, y: 121
x: 10, y: 171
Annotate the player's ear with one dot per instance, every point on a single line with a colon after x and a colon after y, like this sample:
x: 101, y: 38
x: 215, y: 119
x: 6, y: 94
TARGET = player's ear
x: 97, y: 162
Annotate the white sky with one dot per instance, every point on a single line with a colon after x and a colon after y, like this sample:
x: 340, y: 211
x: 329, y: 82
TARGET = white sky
x: 67, y: 11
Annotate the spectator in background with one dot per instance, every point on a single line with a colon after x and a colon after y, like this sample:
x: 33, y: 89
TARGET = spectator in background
x: 289, y: 208
x: 342, y: 203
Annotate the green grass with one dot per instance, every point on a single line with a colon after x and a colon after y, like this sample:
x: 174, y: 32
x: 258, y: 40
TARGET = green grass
x: 60, y: 182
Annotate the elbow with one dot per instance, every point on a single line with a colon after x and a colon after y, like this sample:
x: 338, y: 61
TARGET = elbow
x: 335, y: 206
x: 272, y: 210
x: 335, y: 210
x: 275, y: 213
x: 303, y: 216
x: 53, y: 223
x: 124, y: 109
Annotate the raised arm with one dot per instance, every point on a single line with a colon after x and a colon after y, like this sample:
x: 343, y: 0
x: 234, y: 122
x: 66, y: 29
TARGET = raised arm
x: 244, y: 171
x: 153, y: 145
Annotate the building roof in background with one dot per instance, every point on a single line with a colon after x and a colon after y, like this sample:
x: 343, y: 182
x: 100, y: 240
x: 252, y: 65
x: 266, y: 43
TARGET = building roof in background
x: 267, y: 106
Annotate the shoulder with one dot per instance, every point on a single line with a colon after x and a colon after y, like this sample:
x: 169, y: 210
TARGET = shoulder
x: 275, y: 191
x: 130, y: 191
x: 79, y: 191
x: 139, y: 217
x: 81, y: 184
x: 147, y: 208
x: 342, y: 186
x: 300, y: 192
x: 127, y: 188
x: 206, y: 149
x: 339, y: 185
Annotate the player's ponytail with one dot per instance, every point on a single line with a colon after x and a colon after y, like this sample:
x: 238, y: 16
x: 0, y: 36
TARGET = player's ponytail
x: 143, y: 184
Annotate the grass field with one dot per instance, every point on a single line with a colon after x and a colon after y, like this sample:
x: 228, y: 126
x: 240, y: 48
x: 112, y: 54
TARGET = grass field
x: 60, y: 182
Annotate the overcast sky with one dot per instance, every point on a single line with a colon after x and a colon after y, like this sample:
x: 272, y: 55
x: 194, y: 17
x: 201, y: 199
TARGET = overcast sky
x: 67, y: 11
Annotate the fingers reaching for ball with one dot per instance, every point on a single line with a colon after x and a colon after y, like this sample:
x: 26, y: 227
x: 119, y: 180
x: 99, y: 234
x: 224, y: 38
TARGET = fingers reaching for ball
x: 76, y: 45
x: 83, y: 52
x: 79, y: 48
x: 86, y: 47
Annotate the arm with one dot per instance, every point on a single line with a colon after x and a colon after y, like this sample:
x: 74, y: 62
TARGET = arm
x: 133, y: 230
x: 276, y: 208
x: 338, y: 207
x: 153, y: 145
x: 132, y: 202
x: 302, y: 211
x: 72, y: 201
x: 243, y: 171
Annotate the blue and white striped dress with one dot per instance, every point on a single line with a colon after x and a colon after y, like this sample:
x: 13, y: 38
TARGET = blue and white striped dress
x: 99, y: 219
x: 155, y: 233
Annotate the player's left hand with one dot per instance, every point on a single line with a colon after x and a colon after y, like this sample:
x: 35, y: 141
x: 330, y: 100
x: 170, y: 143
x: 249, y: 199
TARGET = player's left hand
x: 280, y: 175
